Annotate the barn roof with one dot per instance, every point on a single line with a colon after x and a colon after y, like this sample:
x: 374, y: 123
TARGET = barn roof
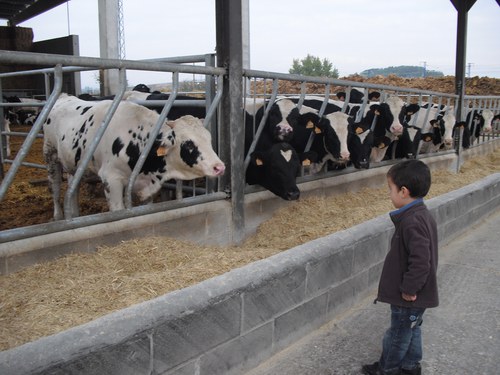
x: 17, y: 11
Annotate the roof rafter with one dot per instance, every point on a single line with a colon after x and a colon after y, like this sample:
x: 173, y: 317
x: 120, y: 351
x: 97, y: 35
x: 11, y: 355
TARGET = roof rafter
x: 17, y: 11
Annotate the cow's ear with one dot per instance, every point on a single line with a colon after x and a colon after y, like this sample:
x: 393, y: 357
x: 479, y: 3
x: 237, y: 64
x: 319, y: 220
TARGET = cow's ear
x: 257, y: 159
x: 162, y: 151
x: 412, y: 108
x: 167, y: 141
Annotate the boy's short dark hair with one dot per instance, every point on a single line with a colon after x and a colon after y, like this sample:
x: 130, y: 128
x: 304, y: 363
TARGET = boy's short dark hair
x: 413, y: 174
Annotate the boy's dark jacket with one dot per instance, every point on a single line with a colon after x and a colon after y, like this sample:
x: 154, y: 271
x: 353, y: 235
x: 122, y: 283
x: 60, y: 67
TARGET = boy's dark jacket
x: 411, y: 264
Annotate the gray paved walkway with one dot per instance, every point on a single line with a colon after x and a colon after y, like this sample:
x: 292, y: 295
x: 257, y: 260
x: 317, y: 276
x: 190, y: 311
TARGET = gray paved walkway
x: 461, y: 336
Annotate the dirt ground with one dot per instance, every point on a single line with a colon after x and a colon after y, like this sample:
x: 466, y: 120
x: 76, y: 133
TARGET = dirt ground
x: 51, y: 297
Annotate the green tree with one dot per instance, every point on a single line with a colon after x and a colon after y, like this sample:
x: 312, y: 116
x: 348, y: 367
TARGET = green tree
x: 314, y: 66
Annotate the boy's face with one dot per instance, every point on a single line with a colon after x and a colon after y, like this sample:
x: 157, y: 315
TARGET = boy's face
x: 399, y: 197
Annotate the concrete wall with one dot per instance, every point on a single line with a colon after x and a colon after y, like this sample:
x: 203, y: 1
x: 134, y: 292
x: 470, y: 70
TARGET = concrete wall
x: 231, y: 323
x: 208, y: 223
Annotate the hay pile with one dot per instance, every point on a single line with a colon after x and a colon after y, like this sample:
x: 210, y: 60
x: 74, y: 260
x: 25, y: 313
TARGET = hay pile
x: 51, y: 297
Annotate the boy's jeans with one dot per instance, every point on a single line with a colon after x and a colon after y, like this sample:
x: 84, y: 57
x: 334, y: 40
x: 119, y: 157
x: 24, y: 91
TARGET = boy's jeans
x: 402, y: 343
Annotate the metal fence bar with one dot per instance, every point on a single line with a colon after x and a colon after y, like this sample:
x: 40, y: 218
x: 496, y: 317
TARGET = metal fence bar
x: 70, y: 199
x: 9, y: 177
x: 260, y: 128
x: 149, y: 144
x: 14, y: 57
x: 102, y: 218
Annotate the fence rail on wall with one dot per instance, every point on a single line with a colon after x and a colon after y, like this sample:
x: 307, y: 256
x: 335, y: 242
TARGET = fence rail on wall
x: 262, y: 88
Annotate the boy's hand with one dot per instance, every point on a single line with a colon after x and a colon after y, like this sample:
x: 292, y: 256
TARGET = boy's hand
x: 409, y: 297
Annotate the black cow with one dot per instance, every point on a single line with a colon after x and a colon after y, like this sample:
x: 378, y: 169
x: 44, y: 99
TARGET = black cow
x: 274, y: 163
x: 177, y: 110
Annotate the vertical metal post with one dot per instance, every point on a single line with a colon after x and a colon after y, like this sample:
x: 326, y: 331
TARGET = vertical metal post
x: 3, y: 138
x: 230, y: 55
x: 462, y: 7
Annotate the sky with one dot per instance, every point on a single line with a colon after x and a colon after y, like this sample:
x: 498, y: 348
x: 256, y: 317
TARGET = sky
x: 353, y: 35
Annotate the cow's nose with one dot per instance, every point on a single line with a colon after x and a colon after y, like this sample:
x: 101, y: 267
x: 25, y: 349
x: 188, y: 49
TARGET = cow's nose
x: 397, y: 129
x: 344, y: 155
x: 364, y: 164
x: 219, y: 169
x: 292, y: 195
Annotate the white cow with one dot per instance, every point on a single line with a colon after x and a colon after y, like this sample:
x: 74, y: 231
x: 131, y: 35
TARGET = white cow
x: 183, y: 148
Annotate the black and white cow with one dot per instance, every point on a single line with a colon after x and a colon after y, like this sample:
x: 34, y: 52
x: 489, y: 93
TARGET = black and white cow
x: 274, y: 164
x: 183, y: 148
x: 326, y: 136
x: 479, y: 120
x: 416, y: 120
x: 427, y: 128
x: 369, y: 132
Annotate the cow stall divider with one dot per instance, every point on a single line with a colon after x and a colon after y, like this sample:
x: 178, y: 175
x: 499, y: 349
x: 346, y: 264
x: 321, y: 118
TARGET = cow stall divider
x: 261, y: 89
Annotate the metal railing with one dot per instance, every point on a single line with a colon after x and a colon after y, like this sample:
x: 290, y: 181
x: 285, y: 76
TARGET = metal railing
x: 62, y: 63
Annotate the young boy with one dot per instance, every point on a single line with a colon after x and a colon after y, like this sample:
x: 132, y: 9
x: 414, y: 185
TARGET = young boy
x: 408, y: 281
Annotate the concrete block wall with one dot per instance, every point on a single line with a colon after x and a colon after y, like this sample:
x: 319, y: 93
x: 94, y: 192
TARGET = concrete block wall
x: 231, y: 323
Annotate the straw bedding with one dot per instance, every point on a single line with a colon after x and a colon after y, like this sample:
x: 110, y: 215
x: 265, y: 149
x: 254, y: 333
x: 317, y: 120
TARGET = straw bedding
x: 51, y: 297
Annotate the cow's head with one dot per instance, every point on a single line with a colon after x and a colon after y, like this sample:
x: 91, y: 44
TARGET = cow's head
x: 335, y: 128
x: 488, y: 116
x: 282, y: 115
x: 187, y: 147
x: 276, y: 170
x: 388, y: 118
x: 360, y: 142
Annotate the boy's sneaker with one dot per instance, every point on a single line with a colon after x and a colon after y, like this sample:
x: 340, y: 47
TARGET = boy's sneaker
x: 416, y: 371
x: 372, y: 369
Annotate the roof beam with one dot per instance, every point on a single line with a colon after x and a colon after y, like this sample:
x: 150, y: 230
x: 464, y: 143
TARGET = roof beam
x: 34, y: 9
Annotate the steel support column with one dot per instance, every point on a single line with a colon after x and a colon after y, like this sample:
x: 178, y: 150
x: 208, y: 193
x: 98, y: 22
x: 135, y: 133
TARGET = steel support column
x: 230, y: 55
x: 462, y: 7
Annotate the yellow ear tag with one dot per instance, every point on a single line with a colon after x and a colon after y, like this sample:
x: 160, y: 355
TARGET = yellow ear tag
x: 306, y: 162
x: 317, y: 130
x: 162, y: 151
x: 309, y: 124
x: 359, y: 130
x: 382, y: 145
x: 258, y: 162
